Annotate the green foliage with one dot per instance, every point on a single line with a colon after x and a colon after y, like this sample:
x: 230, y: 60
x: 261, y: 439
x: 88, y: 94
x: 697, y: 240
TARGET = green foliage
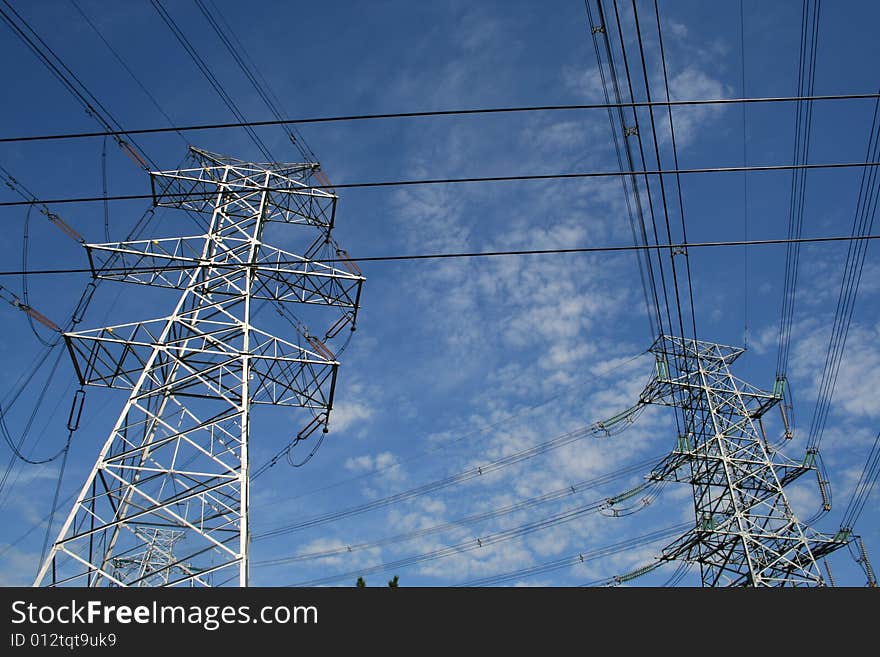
x: 392, y: 583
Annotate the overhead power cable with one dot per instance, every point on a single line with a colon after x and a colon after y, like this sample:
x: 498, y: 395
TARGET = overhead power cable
x: 656, y: 144
x: 477, y: 518
x: 209, y: 75
x: 680, y: 572
x: 607, y: 427
x: 633, y: 131
x: 203, y: 67
x: 127, y: 68
x: 581, y: 557
x: 31, y: 199
x: 801, y: 152
x: 684, y: 237
x: 862, y: 492
x: 435, y: 113
x: 745, y: 177
x: 444, y: 447
x: 863, y: 221
x: 240, y: 55
x: 469, y: 545
x: 451, y: 181
x: 635, y: 210
x: 472, y: 254
x: 56, y: 66
x: 15, y: 446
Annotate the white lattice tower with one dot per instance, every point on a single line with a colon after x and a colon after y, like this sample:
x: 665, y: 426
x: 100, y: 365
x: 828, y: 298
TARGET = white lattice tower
x: 155, y: 565
x: 177, y: 459
x: 746, y: 533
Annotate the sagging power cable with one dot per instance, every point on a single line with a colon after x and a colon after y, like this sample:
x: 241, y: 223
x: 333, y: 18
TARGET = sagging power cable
x: 599, y: 429
x: 551, y: 496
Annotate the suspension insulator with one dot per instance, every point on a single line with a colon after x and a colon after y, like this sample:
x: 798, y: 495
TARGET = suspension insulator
x: 786, y: 427
x: 64, y: 227
x: 866, y: 564
x: 823, y: 491
x: 41, y: 318
x: 338, y: 325
x: 348, y: 263
x: 84, y: 301
x: 315, y: 247
x: 311, y: 427
x: 638, y: 572
x: 76, y: 409
x: 320, y: 347
x: 324, y: 181
x: 133, y: 154
x: 828, y: 570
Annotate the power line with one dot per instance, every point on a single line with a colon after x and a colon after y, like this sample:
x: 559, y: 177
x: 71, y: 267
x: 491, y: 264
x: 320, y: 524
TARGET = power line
x: 863, y: 488
x: 656, y: 144
x: 618, y: 423
x: 801, y: 152
x: 453, y: 181
x: 472, y: 254
x: 210, y: 77
x: 638, y: 229
x: 471, y: 544
x: 633, y: 130
x: 252, y: 73
x: 581, y: 557
x: 56, y: 66
x: 684, y: 237
x: 435, y: 113
x: 443, y: 449
x: 491, y: 514
x: 124, y: 65
x: 863, y: 221
x: 745, y: 159
x: 16, y: 446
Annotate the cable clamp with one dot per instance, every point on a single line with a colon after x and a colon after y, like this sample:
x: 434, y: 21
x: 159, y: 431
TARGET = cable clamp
x: 629, y: 131
x: 598, y: 29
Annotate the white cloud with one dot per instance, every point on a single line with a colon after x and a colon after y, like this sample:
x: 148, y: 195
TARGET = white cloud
x: 859, y: 375
x: 348, y: 414
x: 690, y: 121
x: 679, y: 30
x: 385, y: 463
x: 587, y: 83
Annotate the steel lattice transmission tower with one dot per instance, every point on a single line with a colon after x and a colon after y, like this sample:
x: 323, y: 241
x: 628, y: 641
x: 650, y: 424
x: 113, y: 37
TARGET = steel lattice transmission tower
x: 156, y: 564
x: 174, y: 472
x: 746, y: 533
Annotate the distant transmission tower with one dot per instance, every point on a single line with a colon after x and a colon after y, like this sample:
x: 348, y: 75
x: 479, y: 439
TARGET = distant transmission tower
x: 167, y: 500
x: 156, y: 564
x: 746, y: 533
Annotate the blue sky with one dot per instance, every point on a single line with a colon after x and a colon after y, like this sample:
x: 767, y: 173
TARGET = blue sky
x: 458, y: 363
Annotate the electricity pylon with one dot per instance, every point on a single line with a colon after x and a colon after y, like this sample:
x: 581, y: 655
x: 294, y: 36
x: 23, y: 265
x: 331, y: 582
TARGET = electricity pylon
x: 177, y: 459
x: 746, y: 533
x: 156, y: 564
